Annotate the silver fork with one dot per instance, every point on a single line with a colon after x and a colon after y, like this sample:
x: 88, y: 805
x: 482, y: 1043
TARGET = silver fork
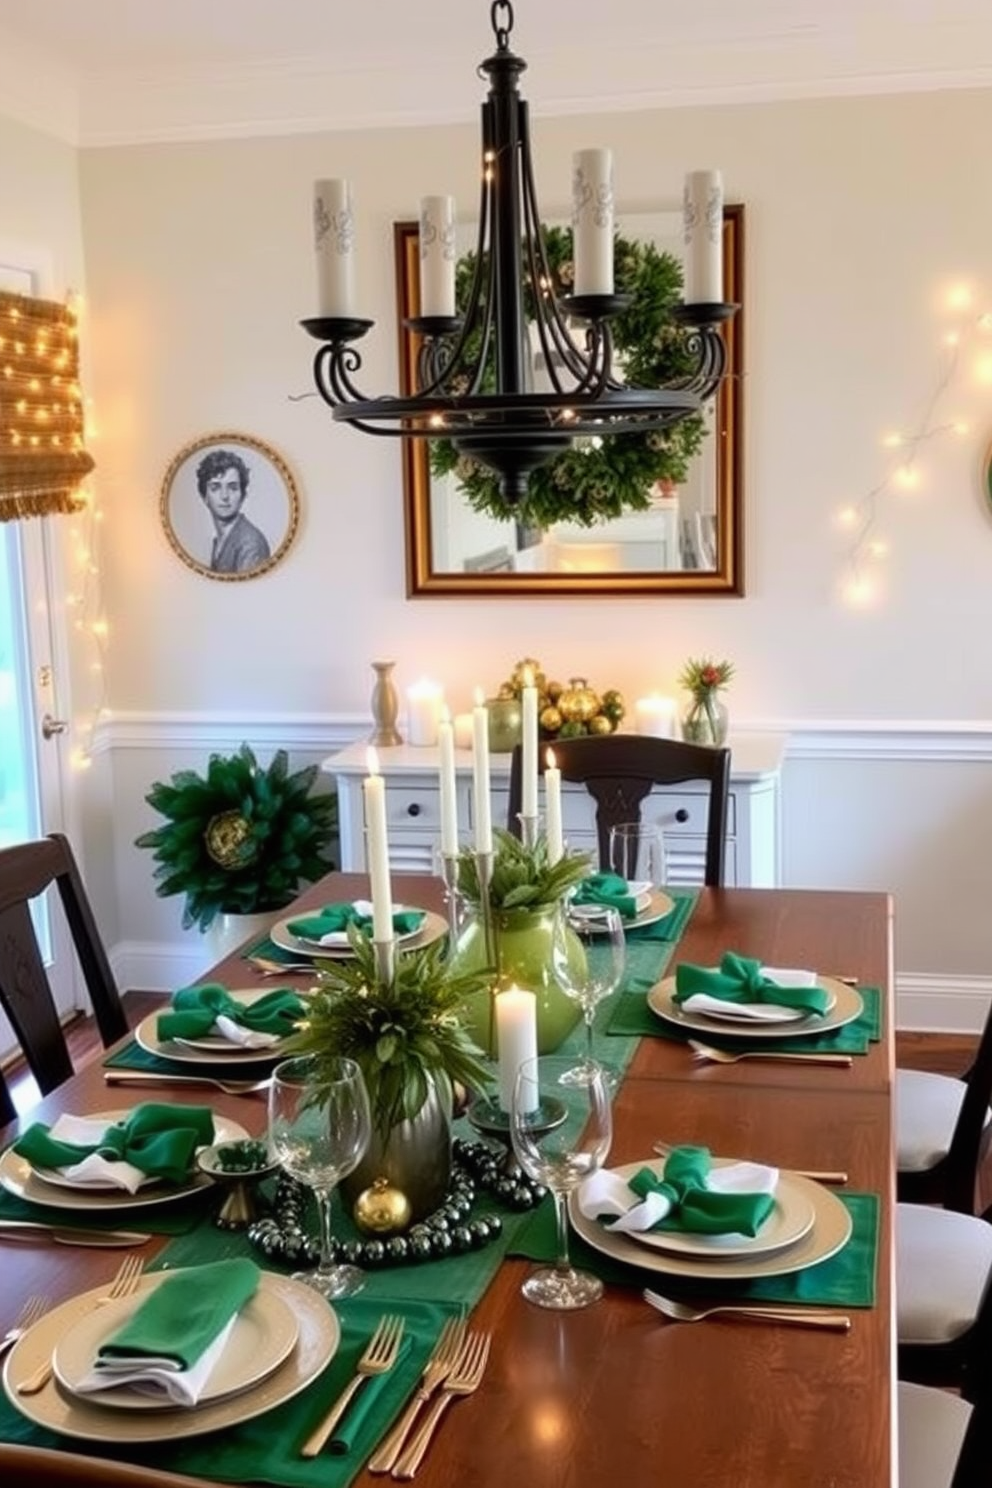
x: 124, y: 1283
x: 34, y: 1308
x: 465, y: 1378
x: 379, y: 1355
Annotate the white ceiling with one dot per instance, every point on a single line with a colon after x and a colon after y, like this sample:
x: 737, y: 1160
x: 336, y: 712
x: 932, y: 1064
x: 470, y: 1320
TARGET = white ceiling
x: 115, y: 71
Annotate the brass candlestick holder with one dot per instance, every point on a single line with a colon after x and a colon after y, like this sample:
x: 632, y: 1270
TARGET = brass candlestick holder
x: 385, y: 707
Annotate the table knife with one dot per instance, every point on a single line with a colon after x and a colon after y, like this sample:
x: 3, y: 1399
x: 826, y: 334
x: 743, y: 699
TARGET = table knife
x: 68, y: 1234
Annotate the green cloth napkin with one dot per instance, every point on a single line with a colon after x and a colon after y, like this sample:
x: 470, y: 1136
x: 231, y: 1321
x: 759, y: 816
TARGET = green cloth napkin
x: 196, y: 1009
x: 159, y: 1139
x: 334, y: 918
x: 183, y: 1315
x: 610, y: 891
x: 696, y: 1209
x: 740, y: 980
x: 365, y: 1407
x: 632, y: 1017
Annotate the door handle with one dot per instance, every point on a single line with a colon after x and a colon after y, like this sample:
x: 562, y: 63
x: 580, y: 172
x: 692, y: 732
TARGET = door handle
x: 51, y: 726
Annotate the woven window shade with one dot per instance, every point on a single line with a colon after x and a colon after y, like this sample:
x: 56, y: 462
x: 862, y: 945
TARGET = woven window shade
x: 43, y: 461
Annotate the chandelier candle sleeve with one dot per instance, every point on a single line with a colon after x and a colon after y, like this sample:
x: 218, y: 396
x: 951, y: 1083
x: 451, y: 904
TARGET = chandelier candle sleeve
x: 516, y: 1040
x: 656, y: 716
x: 552, y: 809
x: 423, y: 709
x: 437, y: 255
x: 703, y: 235
x: 334, y: 242
x: 592, y: 221
x: 377, y: 850
x: 528, y: 751
x: 480, y: 775
x: 449, y: 796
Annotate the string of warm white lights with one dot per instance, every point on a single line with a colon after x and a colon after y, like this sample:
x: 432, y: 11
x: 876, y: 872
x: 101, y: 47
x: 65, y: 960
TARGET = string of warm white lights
x: 868, y: 547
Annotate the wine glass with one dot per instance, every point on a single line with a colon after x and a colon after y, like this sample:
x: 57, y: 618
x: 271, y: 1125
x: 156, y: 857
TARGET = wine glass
x: 319, y: 1127
x: 637, y: 852
x: 561, y: 1129
x: 589, y: 954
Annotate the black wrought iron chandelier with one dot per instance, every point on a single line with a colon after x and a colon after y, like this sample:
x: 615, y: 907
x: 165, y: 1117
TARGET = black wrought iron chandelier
x: 474, y: 371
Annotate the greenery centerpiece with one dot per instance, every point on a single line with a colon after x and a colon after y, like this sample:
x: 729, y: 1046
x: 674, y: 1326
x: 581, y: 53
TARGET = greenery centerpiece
x: 240, y: 839
x: 596, y: 479
x: 705, y: 719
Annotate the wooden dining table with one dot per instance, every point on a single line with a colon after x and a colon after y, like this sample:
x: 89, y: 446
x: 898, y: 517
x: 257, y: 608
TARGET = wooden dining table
x: 615, y: 1394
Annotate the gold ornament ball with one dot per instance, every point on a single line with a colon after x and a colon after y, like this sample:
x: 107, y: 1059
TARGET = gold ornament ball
x: 555, y: 690
x: 600, y: 724
x: 382, y: 1209
x: 229, y: 840
x: 550, y: 720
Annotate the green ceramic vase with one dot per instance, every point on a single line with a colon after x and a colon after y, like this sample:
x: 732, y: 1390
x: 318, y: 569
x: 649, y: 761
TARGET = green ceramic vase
x: 523, y: 942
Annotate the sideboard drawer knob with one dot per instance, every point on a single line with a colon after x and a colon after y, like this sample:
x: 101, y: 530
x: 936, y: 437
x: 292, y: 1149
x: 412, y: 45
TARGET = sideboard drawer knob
x: 413, y: 809
x: 681, y: 815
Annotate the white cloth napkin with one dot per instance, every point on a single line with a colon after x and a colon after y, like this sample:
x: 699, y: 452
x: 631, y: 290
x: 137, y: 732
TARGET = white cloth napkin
x: 247, y: 1038
x: 157, y: 1377
x: 95, y: 1171
x: 607, y: 1193
x: 754, y: 1012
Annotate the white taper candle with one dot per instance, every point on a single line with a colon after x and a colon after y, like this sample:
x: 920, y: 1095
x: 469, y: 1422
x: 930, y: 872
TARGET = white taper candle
x: 480, y: 775
x: 552, y: 809
x: 437, y: 255
x: 334, y: 242
x: 377, y: 849
x: 449, y: 795
x: 703, y: 233
x: 592, y: 221
x: 528, y: 746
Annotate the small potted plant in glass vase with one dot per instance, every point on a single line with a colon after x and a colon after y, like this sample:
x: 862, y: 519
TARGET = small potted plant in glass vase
x: 705, y: 719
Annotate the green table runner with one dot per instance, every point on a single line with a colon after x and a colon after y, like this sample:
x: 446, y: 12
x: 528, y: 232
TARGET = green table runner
x: 631, y: 1017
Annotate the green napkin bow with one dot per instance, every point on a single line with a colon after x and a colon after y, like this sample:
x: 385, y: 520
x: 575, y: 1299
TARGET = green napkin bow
x: 159, y: 1139
x: 335, y: 918
x: 739, y: 979
x: 608, y: 890
x: 196, y: 1009
x: 183, y: 1316
x: 695, y: 1208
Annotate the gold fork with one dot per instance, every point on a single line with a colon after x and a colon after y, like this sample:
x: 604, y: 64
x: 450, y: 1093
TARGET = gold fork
x: 124, y: 1283
x: 379, y: 1355
x: 703, y: 1053
x: 440, y: 1364
x: 34, y: 1308
x: 465, y: 1378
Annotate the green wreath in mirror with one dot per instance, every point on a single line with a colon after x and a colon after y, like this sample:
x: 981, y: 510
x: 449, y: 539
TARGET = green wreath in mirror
x: 596, y: 479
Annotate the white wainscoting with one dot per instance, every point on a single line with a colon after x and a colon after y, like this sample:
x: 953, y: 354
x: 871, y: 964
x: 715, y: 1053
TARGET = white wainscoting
x: 150, y: 955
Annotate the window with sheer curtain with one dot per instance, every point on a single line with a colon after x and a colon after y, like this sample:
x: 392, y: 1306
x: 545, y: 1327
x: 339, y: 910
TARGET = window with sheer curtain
x: 43, y: 459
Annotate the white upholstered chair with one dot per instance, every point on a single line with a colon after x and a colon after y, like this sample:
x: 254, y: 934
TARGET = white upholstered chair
x: 943, y: 1297
x: 933, y: 1427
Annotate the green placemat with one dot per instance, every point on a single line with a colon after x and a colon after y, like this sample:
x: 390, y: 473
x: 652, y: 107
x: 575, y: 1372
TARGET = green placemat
x: 847, y: 1279
x: 173, y: 1219
x: 673, y: 924
x: 630, y: 1016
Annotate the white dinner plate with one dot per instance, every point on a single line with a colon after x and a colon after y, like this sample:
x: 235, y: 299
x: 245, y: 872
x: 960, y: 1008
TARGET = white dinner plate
x: 42, y: 1186
x: 207, y: 1050
x: 830, y: 1231
x: 846, y: 1007
x: 75, y: 1416
x: 792, y: 1217
x: 658, y: 906
x: 263, y: 1336
x: 765, y: 1013
x: 432, y: 928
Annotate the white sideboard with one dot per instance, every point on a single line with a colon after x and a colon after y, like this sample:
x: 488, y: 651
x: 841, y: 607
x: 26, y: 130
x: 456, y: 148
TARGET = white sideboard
x: 413, y: 810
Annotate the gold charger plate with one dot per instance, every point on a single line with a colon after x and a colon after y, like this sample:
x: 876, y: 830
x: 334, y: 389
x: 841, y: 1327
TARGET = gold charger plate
x: 847, y: 1006
x: 831, y: 1231
x: 432, y: 928
x: 263, y: 1336
x: 18, y: 1177
x: 72, y: 1415
x: 207, y: 1051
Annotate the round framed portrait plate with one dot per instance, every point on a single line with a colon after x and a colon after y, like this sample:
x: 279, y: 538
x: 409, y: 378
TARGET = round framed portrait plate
x: 229, y: 506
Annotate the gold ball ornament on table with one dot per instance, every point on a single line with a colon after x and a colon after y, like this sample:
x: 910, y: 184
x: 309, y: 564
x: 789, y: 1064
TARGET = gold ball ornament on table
x: 382, y: 1209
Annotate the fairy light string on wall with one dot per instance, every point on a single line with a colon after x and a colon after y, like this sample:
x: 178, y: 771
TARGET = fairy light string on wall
x: 863, y: 518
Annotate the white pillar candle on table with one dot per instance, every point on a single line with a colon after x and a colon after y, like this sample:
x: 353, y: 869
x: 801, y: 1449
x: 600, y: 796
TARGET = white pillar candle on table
x: 334, y: 242
x: 592, y: 221
x: 463, y: 730
x: 480, y: 775
x: 449, y: 795
x: 702, y: 222
x: 516, y: 1041
x: 423, y: 710
x: 552, y: 809
x: 655, y: 715
x: 377, y: 850
x: 528, y: 746
x: 437, y: 255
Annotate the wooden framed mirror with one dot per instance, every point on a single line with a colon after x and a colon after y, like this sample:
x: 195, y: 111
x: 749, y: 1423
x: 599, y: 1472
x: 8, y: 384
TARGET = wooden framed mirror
x: 689, y: 543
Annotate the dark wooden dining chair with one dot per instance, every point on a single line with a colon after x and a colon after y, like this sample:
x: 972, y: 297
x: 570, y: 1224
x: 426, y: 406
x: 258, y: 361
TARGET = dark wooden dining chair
x: 620, y: 770
x: 26, y: 871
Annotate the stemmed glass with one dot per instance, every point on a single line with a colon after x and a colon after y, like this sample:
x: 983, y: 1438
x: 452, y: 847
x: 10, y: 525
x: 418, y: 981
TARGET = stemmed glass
x: 637, y: 852
x: 561, y: 1130
x: 319, y: 1127
x: 592, y: 975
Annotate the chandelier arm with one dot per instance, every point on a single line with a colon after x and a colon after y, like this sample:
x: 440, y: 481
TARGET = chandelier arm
x: 331, y: 366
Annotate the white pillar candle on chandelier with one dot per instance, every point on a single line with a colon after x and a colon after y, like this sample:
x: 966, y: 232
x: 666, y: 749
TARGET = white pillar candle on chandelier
x: 334, y: 242
x: 528, y: 746
x: 377, y: 849
x: 655, y: 715
x: 552, y: 809
x: 437, y: 255
x: 592, y: 221
x: 516, y: 1040
x: 480, y: 775
x: 449, y: 794
x: 424, y: 700
x: 703, y: 235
